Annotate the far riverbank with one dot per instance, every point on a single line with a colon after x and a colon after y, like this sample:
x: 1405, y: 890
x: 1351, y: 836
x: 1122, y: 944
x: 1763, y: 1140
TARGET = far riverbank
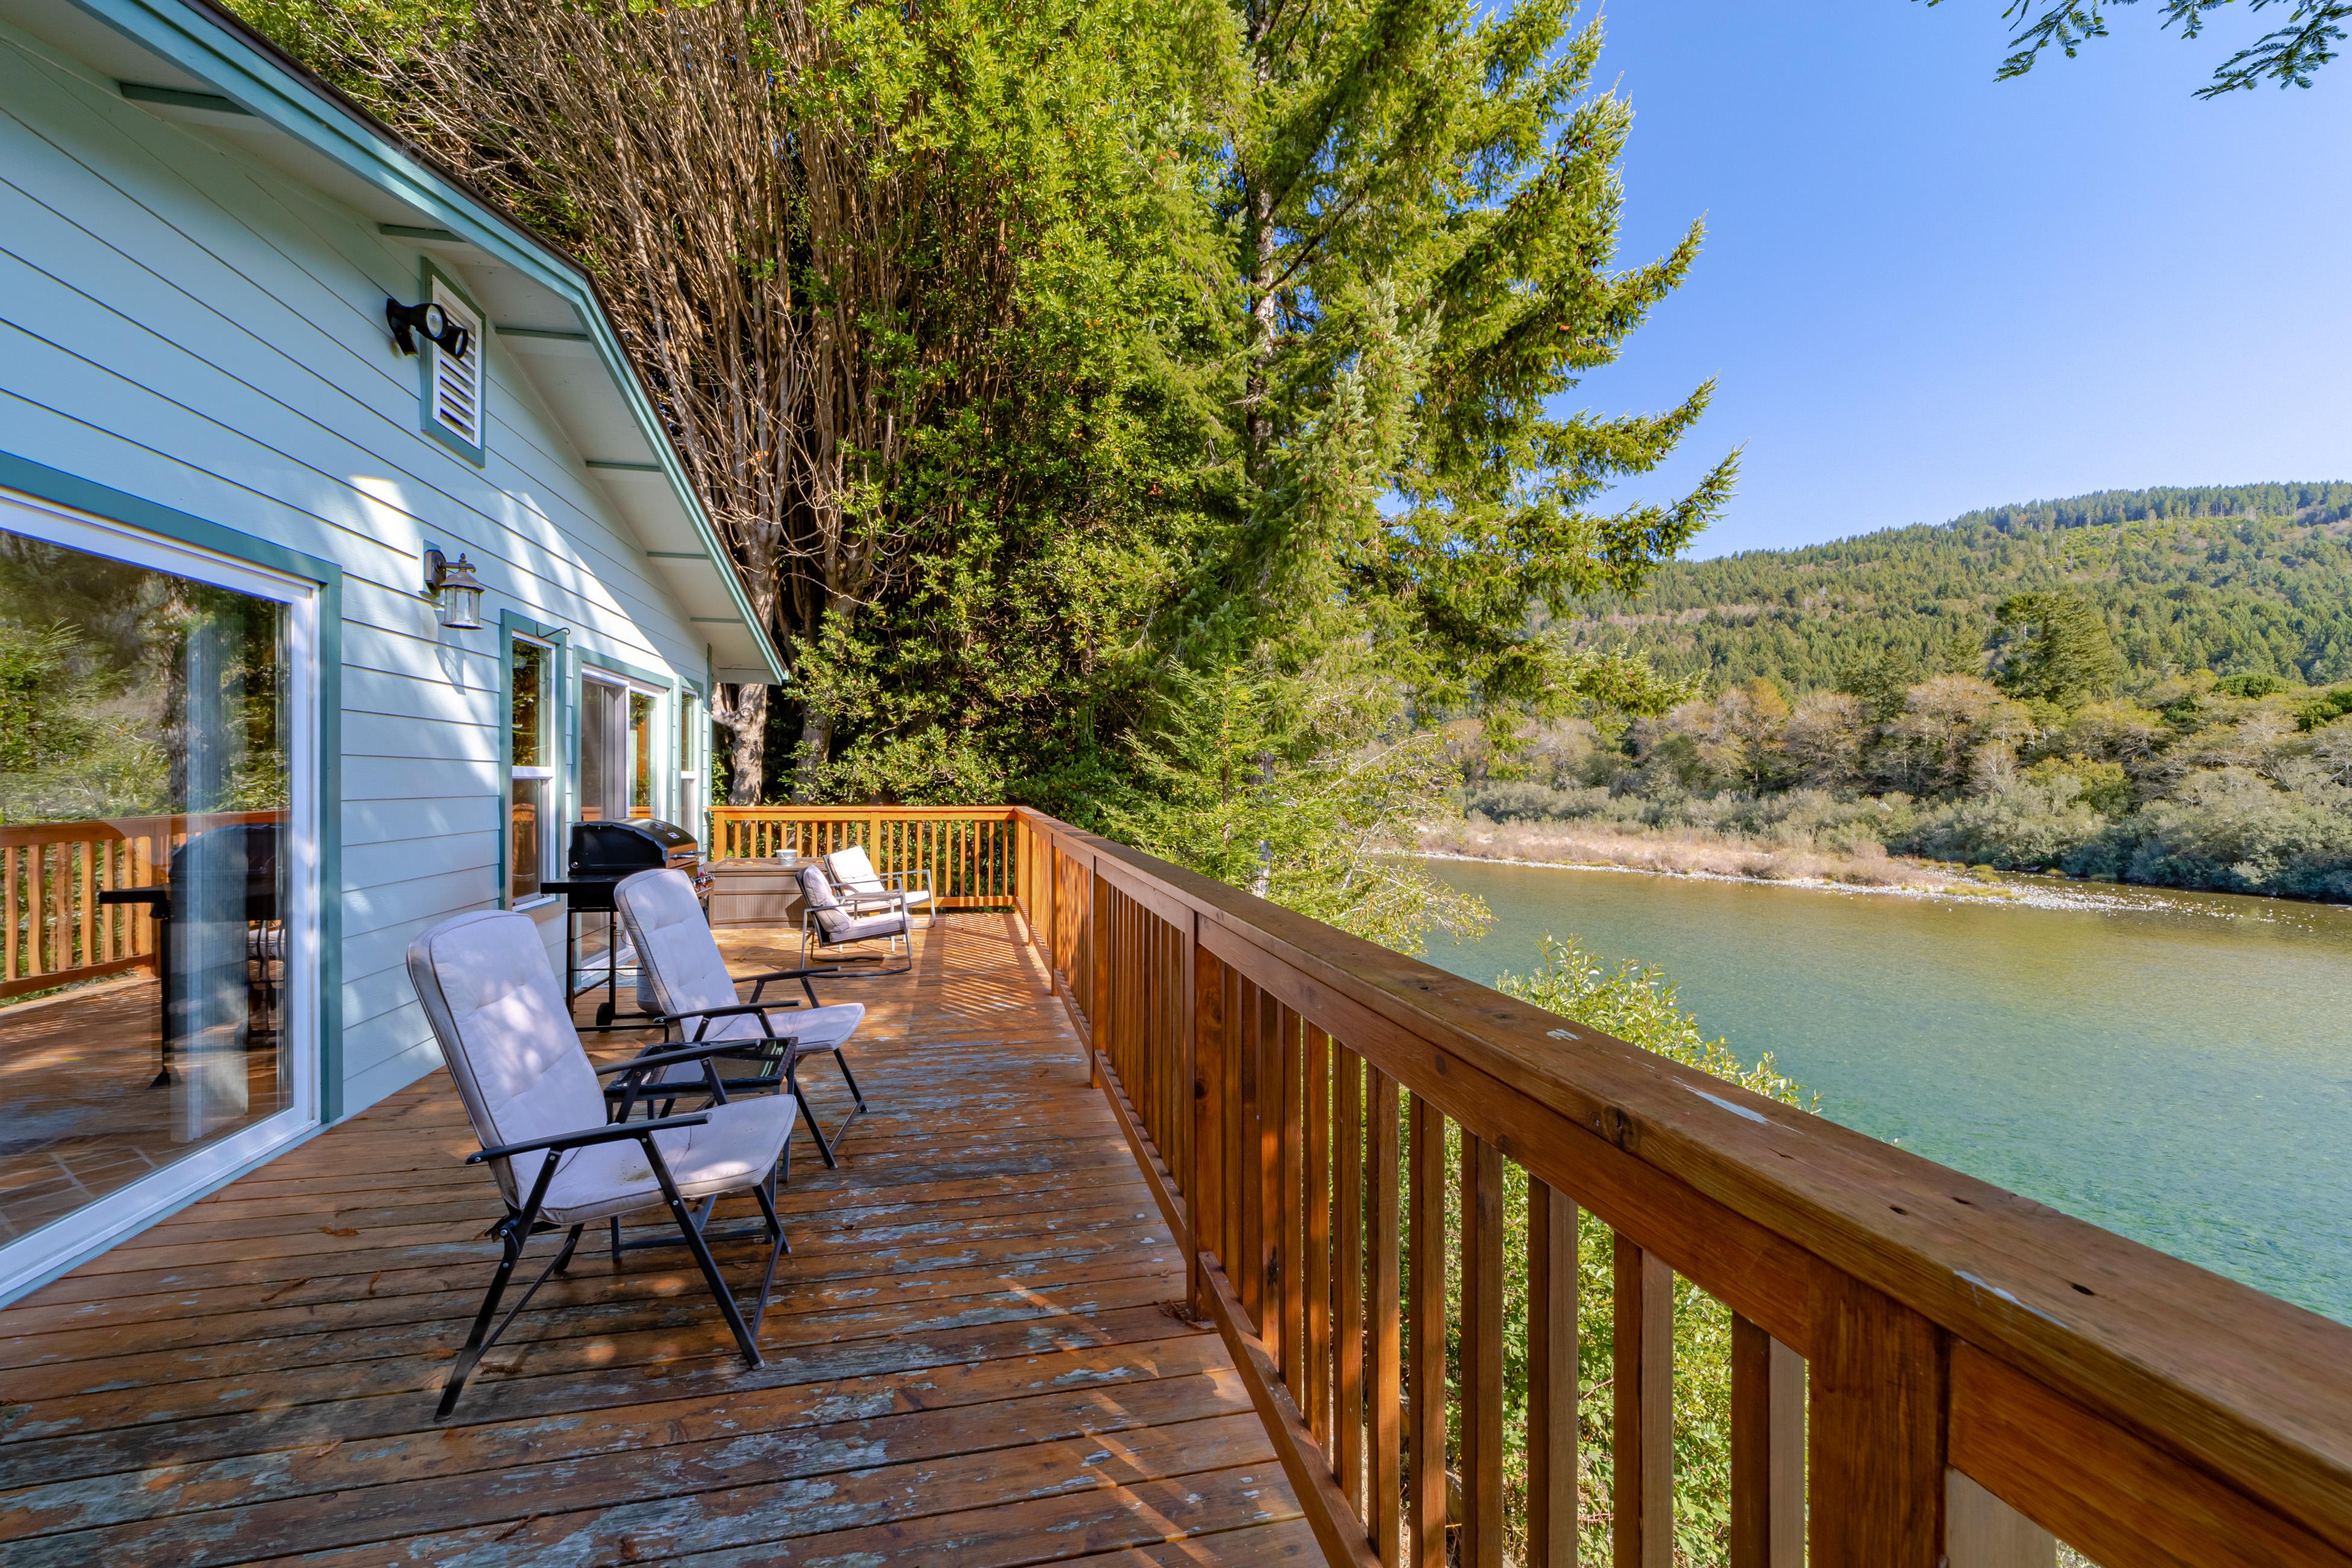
x: 1715, y: 857
x: 1594, y: 846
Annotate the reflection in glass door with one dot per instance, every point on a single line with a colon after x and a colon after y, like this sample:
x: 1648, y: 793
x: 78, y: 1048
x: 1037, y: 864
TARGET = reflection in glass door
x: 604, y: 750
x: 147, y: 950
x: 619, y: 749
x: 641, y: 754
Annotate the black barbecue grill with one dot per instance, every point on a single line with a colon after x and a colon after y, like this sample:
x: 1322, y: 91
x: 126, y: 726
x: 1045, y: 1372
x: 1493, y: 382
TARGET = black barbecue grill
x: 601, y: 854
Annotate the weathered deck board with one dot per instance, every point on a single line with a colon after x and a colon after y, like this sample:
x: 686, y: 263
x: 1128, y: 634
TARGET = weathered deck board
x: 974, y: 1353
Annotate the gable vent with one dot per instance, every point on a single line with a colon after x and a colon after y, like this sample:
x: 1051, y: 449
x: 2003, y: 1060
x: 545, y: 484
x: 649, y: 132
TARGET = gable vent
x: 457, y: 384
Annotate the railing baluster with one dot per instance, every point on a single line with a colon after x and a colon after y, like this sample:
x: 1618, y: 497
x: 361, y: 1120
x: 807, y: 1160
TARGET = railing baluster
x: 8, y: 860
x: 1551, y: 1377
x: 108, y: 855
x: 1318, y: 1235
x: 1294, y: 1213
x: 38, y: 900
x: 1235, y: 1035
x: 1874, y: 1433
x: 1767, y: 1450
x: 1136, y: 996
x: 1644, y: 1452
x: 1162, y: 1060
x: 141, y: 875
x: 1135, y: 989
x: 1158, y: 1057
x: 1206, y: 1200
x: 1099, y: 949
x: 1119, y: 994
x: 1387, y: 1395
x: 88, y: 954
x: 1259, y: 1141
x: 1177, y: 945
x: 1347, y: 1383
x: 1144, y: 1002
x: 1982, y: 1531
x: 1428, y: 1397
x: 1176, y: 992
x: 1137, y: 986
x: 1481, y: 1353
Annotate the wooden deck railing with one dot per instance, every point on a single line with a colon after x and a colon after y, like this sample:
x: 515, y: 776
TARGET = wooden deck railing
x: 968, y: 850
x: 1926, y: 1370
x: 53, y: 928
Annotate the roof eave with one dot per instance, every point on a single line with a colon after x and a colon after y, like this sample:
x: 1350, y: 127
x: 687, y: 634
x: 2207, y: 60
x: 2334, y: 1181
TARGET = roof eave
x: 217, y: 47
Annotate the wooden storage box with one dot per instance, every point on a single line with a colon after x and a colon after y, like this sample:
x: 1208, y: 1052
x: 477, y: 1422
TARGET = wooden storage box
x: 754, y: 892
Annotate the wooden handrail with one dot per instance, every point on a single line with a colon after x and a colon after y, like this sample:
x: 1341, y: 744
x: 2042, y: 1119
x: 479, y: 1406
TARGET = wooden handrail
x: 1981, y: 1369
x: 967, y: 851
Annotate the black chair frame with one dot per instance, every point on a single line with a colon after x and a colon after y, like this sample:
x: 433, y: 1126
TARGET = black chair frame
x: 779, y: 1056
x: 772, y: 1049
x: 522, y: 1222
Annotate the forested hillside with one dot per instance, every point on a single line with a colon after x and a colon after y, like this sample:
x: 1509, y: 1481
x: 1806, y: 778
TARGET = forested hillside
x: 2247, y: 579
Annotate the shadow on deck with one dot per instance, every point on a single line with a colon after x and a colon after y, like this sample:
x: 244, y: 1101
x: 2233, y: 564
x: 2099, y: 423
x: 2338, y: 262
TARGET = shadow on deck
x: 976, y: 1351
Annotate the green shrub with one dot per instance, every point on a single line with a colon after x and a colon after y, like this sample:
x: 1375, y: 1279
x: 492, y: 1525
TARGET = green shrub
x: 2324, y: 709
x: 2023, y: 825
x: 2103, y: 786
x: 2230, y: 828
x: 1635, y: 1003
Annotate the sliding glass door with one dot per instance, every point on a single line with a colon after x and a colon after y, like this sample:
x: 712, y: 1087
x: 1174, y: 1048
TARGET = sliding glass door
x: 157, y: 863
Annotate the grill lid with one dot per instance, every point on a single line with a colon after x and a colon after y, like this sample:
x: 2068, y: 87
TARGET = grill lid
x: 600, y: 848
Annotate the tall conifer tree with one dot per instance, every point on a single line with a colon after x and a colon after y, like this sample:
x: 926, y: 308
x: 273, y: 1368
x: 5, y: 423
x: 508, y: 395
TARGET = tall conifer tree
x: 1422, y: 200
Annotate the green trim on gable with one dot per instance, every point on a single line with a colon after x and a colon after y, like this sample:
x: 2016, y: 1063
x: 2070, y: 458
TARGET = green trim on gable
x: 62, y: 488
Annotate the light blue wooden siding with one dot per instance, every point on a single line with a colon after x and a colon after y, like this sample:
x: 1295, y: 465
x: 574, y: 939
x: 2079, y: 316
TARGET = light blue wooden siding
x: 182, y: 323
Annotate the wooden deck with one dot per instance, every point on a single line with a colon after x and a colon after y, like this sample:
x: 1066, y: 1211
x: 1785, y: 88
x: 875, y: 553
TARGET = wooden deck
x: 977, y: 1353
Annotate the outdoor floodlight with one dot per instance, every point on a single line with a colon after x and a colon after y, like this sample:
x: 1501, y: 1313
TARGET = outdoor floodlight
x: 428, y: 320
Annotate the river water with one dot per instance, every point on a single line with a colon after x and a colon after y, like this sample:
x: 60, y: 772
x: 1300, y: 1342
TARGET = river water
x: 2174, y: 1066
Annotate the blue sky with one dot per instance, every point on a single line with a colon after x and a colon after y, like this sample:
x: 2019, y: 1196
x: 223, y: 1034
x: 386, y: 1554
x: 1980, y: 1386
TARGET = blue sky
x: 1924, y: 290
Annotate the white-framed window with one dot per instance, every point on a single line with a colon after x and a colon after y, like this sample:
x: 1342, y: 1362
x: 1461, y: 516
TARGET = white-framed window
x: 183, y: 782
x: 531, y: 730
x: 452, y: 388
x: 621, y: 761
x: 691, y: 727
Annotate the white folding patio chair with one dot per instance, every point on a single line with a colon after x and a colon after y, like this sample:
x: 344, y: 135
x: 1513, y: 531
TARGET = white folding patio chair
x: 529, y: 1089
x: 830, y: 926
x: 693, y: 994
x: 864, y: 889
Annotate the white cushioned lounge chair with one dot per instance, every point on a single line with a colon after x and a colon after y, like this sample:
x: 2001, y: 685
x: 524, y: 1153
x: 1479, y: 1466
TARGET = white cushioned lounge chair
x: 694, y: 995
x: 865, y: 889
x: 830, y: 925
x: 540, y: 1115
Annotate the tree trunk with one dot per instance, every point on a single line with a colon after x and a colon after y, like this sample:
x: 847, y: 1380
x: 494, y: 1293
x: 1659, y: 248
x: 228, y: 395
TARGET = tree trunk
x: 746, y: 721
x: 815, y: 749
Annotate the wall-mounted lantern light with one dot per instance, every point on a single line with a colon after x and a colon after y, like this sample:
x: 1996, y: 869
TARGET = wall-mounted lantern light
x: 428, y: 320
x: 455, y: 591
